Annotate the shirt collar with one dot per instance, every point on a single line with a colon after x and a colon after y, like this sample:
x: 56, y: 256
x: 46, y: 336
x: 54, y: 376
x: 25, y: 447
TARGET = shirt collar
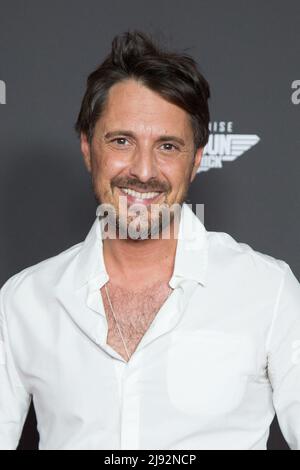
x: 190, y: 260
x: 192, y: 249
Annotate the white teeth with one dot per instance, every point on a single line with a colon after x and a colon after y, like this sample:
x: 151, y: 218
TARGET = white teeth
x: 137, y: 195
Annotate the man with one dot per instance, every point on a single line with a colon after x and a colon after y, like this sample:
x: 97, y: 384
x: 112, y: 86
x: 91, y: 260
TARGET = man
x: 170, y: 337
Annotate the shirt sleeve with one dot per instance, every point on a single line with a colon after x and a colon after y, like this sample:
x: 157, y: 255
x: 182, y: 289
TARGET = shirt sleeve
x: 284, y: 358
x: 14, y: 399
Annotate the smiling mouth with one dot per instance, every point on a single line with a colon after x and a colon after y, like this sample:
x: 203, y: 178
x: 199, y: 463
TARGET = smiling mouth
x: 144, y: 197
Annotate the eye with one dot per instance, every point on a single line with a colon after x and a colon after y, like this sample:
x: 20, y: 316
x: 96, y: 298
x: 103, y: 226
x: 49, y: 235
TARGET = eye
x: 120, y: 141
x: 168, y: 146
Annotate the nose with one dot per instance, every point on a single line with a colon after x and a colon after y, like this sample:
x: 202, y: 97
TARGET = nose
x: 143, y: 165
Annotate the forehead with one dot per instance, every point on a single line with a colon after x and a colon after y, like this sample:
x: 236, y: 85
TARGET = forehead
x: 131, y: 105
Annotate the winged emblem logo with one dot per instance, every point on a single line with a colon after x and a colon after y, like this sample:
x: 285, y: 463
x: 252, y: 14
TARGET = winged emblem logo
x: 225, y: 148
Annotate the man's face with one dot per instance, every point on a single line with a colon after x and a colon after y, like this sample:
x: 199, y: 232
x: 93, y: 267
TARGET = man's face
x: 142, y: 149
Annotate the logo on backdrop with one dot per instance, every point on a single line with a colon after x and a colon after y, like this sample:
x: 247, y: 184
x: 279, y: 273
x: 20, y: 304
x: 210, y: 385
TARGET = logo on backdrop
x: 2, y: 92
x: 224, y: 146
x: 295, y: 97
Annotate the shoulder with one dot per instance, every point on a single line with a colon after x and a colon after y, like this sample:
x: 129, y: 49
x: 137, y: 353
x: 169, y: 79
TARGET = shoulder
x: 228, y: 252
x: 44, y: 272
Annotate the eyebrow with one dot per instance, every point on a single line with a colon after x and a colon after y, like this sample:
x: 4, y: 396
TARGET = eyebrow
x: 162, y: 138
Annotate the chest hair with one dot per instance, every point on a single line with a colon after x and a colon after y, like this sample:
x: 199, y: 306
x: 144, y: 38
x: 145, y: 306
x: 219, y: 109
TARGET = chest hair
x: 135, y: 310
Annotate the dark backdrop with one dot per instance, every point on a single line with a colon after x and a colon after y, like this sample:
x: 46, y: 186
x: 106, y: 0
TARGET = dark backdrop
x: 248, y: 50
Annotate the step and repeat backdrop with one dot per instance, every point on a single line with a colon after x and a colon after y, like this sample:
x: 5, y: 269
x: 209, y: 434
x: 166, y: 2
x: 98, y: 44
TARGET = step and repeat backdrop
x: 249, y: 176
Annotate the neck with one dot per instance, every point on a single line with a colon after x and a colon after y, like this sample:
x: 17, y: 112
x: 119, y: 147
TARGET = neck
x: 140, y: 261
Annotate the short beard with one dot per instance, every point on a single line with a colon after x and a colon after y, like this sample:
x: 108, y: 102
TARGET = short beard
x: 154, y: 228
x: 151, y: 227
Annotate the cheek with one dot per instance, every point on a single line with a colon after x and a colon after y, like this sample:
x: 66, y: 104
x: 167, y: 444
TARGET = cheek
x: 178, y: 176
x: 102, y: 169
x: 111, y: 165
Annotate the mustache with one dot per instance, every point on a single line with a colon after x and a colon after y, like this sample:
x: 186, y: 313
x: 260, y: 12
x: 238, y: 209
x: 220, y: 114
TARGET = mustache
x: 150, y: 186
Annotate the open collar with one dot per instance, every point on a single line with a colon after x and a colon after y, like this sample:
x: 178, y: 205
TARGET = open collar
x: 190, y: 260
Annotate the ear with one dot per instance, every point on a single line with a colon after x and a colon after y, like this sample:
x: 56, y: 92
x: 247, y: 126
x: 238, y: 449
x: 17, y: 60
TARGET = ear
x: 86, y: 151
x: 197, y: 161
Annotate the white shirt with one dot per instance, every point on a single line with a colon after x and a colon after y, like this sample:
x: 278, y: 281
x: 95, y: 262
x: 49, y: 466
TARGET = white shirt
x: 221, y: 356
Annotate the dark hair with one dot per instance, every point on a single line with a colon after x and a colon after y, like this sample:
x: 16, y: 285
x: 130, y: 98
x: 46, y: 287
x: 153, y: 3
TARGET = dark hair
x: 173, y: 76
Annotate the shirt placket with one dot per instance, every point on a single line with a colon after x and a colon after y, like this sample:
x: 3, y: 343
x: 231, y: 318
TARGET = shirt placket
x: 129, y: 387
